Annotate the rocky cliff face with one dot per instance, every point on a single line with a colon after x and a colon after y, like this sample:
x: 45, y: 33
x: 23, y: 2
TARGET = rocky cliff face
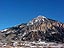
x: 38, y: 29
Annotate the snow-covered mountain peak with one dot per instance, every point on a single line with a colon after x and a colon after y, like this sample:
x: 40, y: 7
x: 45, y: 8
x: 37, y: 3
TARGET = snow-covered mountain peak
x: 38, y: 19
x: 40, y: 16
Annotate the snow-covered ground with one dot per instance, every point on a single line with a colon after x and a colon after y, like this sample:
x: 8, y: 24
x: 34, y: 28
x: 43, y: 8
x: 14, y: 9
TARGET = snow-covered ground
x: 25, y: 44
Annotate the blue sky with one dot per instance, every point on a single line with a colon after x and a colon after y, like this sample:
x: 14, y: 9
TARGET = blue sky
x: 13, y: 12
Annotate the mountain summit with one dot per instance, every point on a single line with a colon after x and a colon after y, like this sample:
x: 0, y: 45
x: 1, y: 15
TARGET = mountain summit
x: 38, y: 29
x: 37, y: 19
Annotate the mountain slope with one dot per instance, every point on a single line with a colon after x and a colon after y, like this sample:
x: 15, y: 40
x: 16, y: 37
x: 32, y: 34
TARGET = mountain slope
x: 38, y: 29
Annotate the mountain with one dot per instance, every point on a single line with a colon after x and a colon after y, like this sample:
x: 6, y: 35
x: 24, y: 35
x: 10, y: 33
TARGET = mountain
x: 38, y: 29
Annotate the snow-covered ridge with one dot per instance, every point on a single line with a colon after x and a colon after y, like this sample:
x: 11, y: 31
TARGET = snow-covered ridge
x: 4, y: 30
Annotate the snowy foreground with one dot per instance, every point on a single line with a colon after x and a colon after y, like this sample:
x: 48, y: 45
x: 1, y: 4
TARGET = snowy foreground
x: 25, y: 44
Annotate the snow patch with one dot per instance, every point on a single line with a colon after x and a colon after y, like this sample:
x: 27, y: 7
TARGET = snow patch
x: 40, y: 16
x: 36, y: 20
x: 4, y: 30
x: 24, y: 34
